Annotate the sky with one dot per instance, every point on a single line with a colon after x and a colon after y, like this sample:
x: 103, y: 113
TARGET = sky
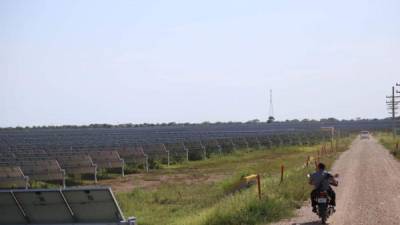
x: 83, y: 62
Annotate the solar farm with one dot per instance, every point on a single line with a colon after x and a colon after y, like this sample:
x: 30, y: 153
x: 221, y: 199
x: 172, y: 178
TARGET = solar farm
x: 53, y: 154
x: 57, y: 155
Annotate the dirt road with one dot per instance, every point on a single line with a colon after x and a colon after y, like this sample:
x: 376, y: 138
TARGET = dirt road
x: 369, y: 190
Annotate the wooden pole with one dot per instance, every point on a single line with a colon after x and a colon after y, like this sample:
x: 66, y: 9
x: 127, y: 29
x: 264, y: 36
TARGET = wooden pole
x: 259, y: 186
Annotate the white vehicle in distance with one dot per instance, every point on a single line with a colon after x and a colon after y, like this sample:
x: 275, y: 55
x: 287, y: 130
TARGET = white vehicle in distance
x: 364, y: 134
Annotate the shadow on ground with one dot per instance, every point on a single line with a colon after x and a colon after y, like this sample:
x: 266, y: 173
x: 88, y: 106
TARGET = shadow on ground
x: 317, y: 222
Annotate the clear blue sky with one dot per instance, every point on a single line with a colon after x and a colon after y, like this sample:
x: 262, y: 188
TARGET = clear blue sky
x: 81, y: 62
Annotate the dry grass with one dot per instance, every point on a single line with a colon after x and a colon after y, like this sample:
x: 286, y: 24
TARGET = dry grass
x: 195, y: 192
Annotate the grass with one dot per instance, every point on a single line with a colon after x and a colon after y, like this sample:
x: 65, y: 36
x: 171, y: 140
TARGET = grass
x: 207, y: 202
x: 387, y: 140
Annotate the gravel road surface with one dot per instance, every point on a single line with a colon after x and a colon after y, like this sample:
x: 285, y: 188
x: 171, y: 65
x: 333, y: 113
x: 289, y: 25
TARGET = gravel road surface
x: 369, y: 188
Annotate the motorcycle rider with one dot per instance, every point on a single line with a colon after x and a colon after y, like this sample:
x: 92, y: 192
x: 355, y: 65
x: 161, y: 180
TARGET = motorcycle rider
x: 322, y: 180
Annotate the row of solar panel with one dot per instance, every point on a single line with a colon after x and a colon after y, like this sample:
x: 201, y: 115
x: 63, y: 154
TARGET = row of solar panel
x: 27, y: 144
x: 18, y: 171
x: 54, y: 165
x: 31, y: 140
x: 188, y: 150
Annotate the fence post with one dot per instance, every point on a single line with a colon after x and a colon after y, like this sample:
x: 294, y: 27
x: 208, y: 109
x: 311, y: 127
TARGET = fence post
x: 282, y: 172
x: 259, y: 186
x: 308, y: 161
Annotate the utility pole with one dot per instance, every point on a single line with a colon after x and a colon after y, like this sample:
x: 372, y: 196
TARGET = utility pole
x: 392, y: 104
x: 398, y: 119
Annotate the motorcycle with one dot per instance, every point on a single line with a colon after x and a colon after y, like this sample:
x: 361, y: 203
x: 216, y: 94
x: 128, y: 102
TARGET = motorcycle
x: 322, y: 198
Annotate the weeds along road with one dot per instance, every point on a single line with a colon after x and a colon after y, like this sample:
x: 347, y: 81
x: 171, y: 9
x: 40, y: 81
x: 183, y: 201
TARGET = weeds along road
x: 369, y: 188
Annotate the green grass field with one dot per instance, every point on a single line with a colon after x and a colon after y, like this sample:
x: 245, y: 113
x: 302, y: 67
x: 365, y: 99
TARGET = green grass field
x: 201, y: 196
x: 387, y: 140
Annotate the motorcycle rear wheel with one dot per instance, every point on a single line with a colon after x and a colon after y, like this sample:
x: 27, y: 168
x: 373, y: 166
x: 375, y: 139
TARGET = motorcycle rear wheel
x: 323, y: 214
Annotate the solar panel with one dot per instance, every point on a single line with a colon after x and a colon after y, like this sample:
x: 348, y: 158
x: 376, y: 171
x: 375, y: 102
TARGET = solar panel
x: 107, y: 159
x: 61, y: 206
x: 12, y: 177
x: 77, y: 163
x: 9, y: 210
x: 44, y: 206
x: 92, y: 206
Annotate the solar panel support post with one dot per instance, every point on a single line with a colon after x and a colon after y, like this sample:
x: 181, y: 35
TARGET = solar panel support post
x: 165, y: 149
x: 186, y: 151
x: 168, y: 158
x: 233, y: 144
x: 218, y: 146
x: 258, y: 143
x: 146, y: 157
x: 123, y: 168
x: 95, y: 174
x: 246, y: 143
x: 26, y: 182
x: 204, y: 150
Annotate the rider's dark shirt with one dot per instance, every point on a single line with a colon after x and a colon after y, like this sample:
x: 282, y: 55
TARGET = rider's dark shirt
x: 320, y: 179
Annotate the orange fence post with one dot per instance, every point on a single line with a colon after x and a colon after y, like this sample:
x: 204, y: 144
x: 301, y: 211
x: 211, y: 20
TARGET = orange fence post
x: 248, y: 180
x: 282, y: 171
x: 259, y: 186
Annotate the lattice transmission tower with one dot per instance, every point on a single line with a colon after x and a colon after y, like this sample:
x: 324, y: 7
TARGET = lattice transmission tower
x: 271, y: 117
